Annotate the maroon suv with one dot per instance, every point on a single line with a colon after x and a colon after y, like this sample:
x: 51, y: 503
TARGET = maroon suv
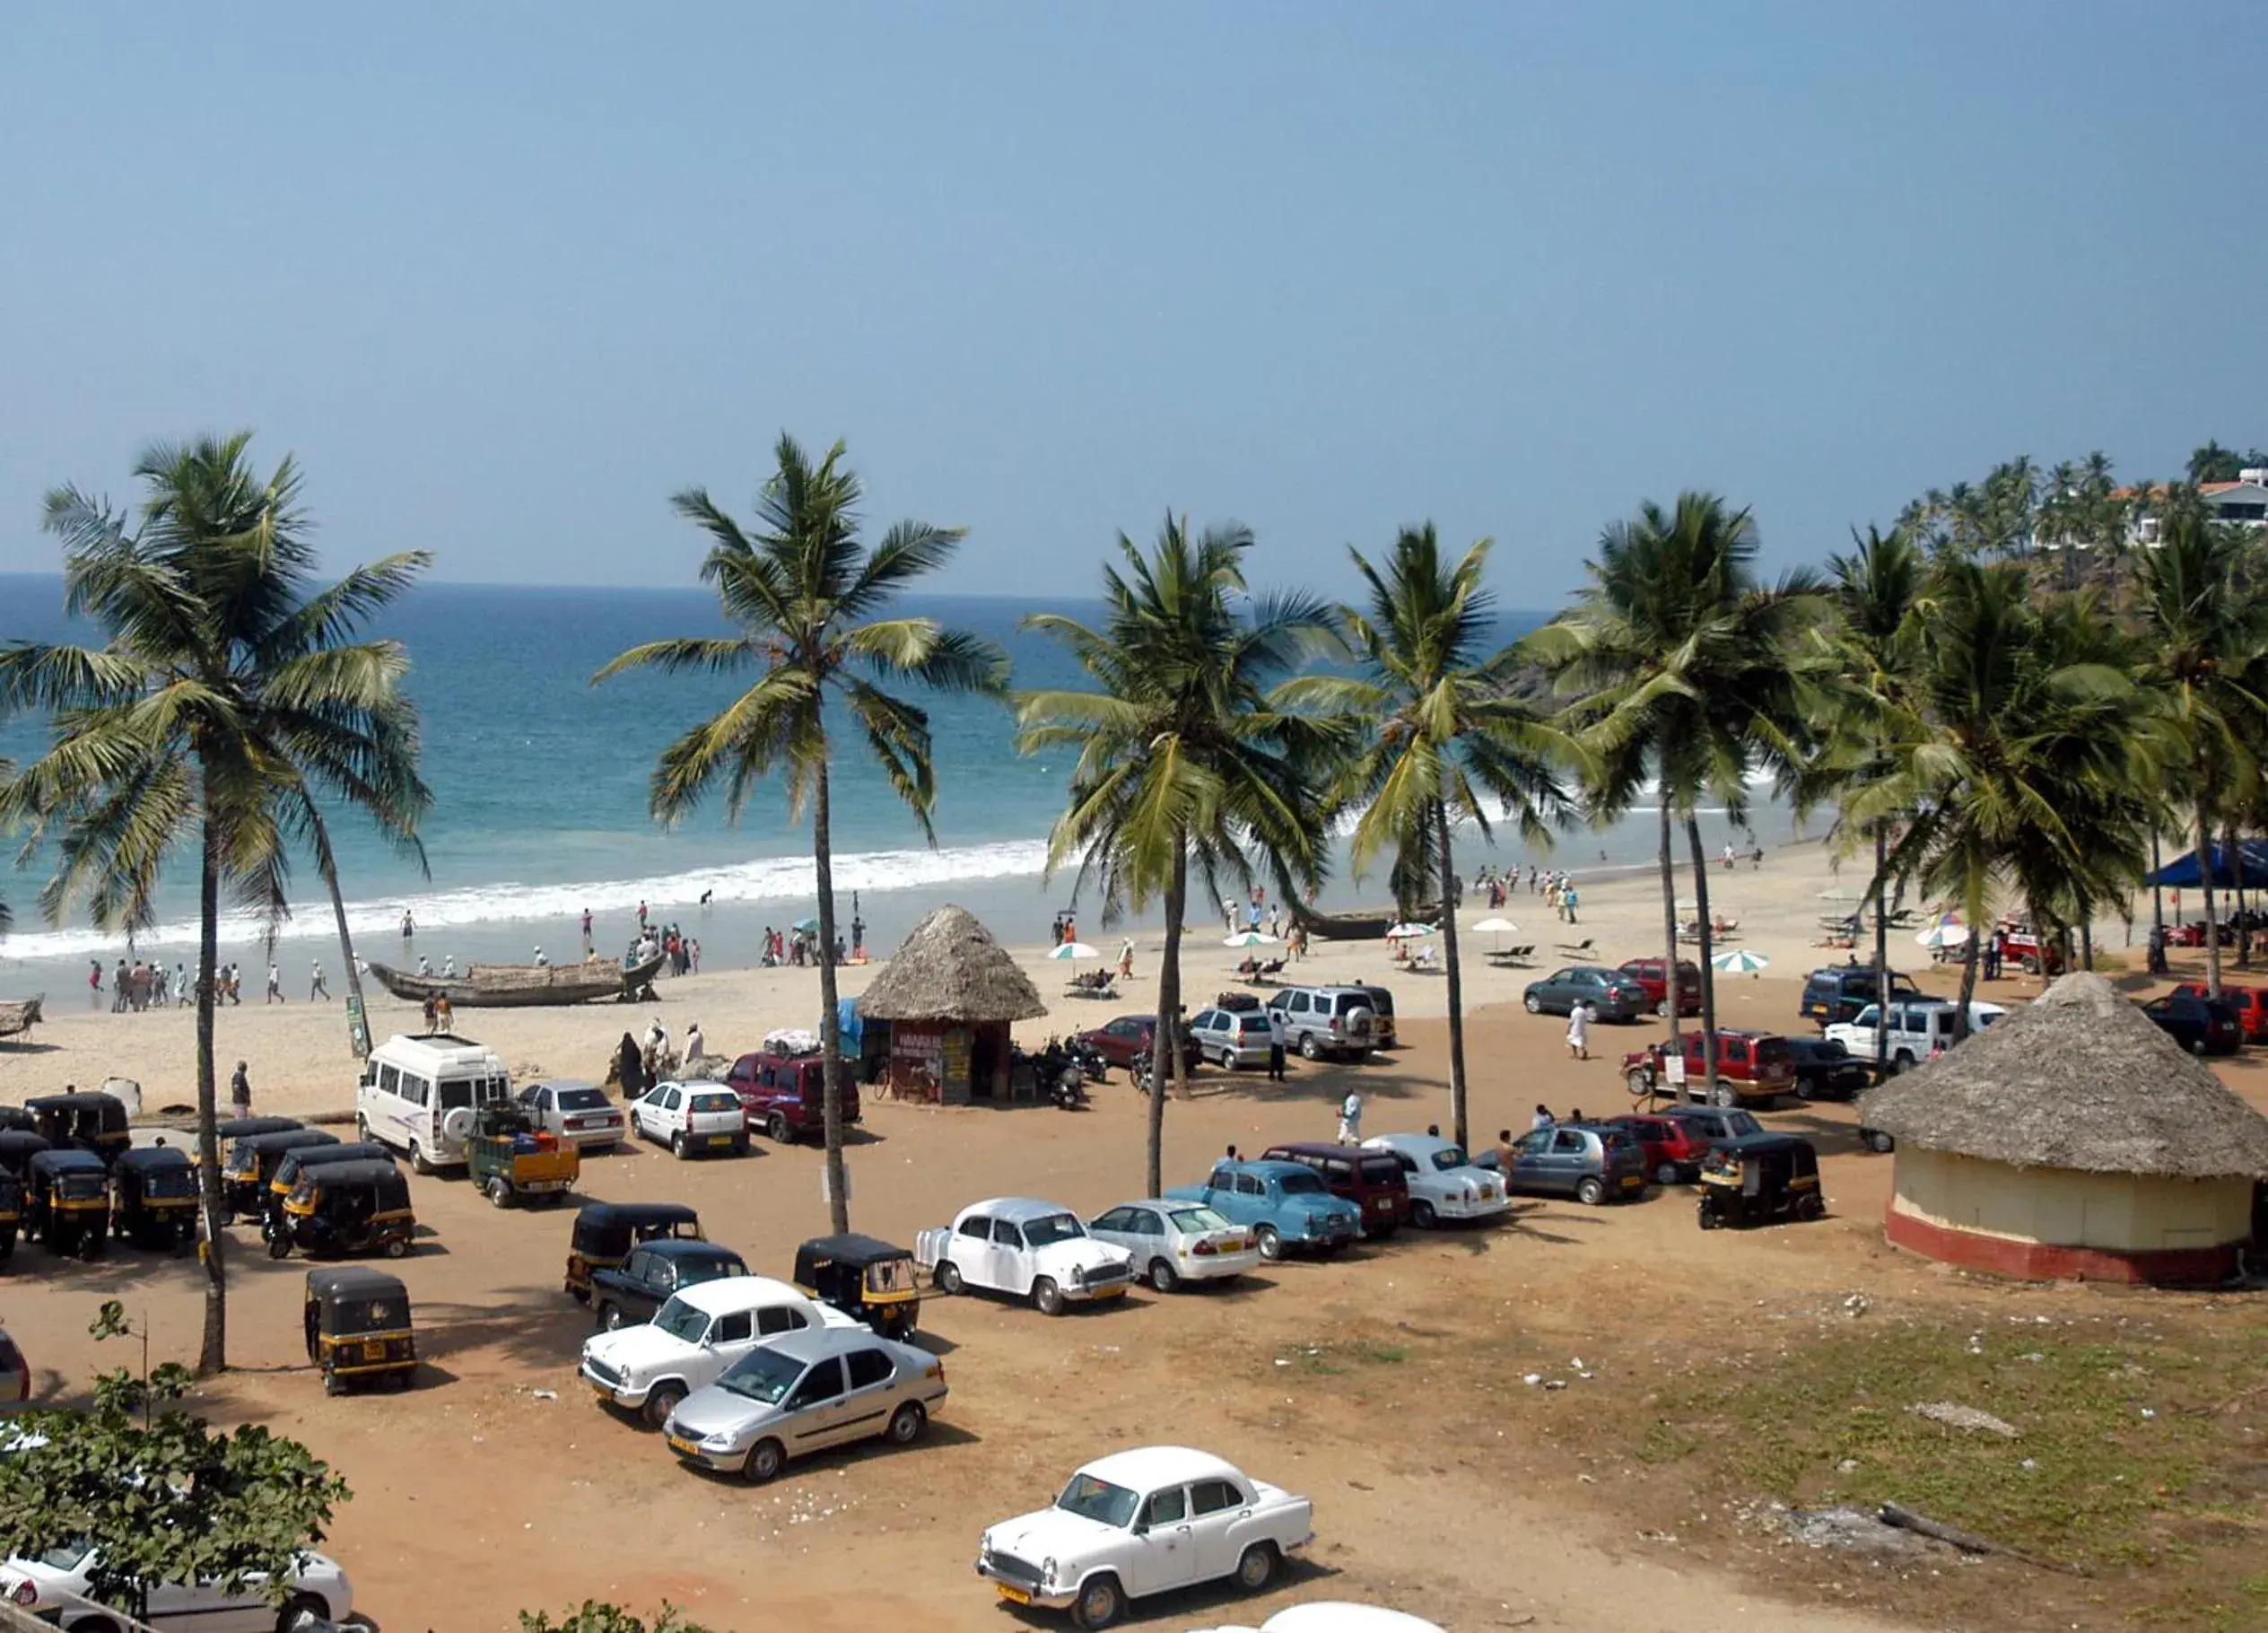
x: 786, y: 1095
x: 1370, y: 1180
x: 1647, y: 974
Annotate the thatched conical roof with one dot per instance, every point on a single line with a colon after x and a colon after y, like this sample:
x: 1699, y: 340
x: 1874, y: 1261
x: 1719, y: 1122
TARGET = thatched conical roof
x: 950, y: 969
x: 2080, y: 1078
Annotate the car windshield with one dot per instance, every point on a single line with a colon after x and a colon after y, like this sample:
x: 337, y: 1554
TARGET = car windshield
x: 66, y: 1557
x: 1302, y: 1184
x: 1098, y: 1499
x: 716, y: 1103
x: 1449, y: 1157
x: 763, y: 1375
x: 681, y: 1320
x: 1055, y: 1227
x: 582, y: 1100
x: 1743, y: 1122
x: 1197, y: 1219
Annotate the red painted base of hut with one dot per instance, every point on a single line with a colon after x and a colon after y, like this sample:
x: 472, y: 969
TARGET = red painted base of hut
x: 2041, y: 1261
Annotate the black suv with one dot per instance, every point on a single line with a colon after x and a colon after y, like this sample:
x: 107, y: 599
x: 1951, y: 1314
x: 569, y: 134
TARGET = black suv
x: 1831, y: 996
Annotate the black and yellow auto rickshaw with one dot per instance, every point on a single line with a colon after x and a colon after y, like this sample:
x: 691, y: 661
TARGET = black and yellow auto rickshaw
x: 249, y: 1164
x: 606, y: 1231
x: 344, y: 1207
x: 867, y: 1280
x: 1760, y: 1177
x: 67, y: 1202
x: 11, y: 1213
x: 153, y: 1197
x: 14, y: 1117
x: 299, y: 1159
x: 358, y: 1327
x: 18, y: 1147
x: 92, y: 1122
x: 231, y: 1128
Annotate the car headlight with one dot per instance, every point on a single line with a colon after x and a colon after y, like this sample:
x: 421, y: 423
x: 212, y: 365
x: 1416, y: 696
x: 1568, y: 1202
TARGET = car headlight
x: 1314, y: 1221
x: 1078, y: 1275
x: 722, y: 1441
x: 1047, y: 1571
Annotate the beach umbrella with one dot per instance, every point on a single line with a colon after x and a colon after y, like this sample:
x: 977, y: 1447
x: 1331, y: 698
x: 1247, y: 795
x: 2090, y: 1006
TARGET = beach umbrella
x: 1249, y: 938
x: 1740, y: 961
x: 809, y: 927
x: 1940, y: 936
x: 1407, y: 932
x: 1496, y: 925
x: 1074, y: 949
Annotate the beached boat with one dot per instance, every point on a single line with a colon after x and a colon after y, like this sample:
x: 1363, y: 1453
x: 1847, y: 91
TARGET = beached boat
x: 1356, y: 926
x: 20, y: 1015
x: 510, y: 986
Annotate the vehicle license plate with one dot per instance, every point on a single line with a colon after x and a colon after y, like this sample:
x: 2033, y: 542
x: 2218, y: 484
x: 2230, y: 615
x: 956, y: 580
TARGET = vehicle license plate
x: 685, y: 1447
x: 1382, y: 1204
x: 603, y: 1393
x: 719, y: 1139
x: 374, y: 1350
x: 1014, y: 1596
x: 1111, y: 1291
x: 1631, y: 1181
x: 1487, y: 1193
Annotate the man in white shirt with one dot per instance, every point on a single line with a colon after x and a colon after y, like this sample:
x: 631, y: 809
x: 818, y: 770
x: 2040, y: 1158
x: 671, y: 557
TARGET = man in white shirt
x: 1350, y: 1119
x: 1277, y: 1039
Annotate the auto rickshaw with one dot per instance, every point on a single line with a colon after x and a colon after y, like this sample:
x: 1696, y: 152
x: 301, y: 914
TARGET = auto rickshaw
x: 510, y: 1159
x: 299, y: 1159
x: 606, y: 1231
x: 344, y: 1207
x: 153, y: 1197
x: 1760, y: 1177
x: 230, y: 1128
x: 358, y: 1327
x: 14, y: 1117
x: 867, y: 1280
x: 250, y: 1162
x: 11, y: 1213
x: 92, y: 1122
x: 18, y: 1147
x: 68, y: 1197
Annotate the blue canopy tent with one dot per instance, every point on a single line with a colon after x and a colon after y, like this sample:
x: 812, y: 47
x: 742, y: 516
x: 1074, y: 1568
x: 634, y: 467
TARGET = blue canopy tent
x: 2250, y: 857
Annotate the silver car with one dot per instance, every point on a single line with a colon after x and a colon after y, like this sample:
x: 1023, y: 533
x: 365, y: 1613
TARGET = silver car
x: 1233, y: 1037
x: 579, y: 1112
x: 1172, y: 1242
x: 802, y: 1393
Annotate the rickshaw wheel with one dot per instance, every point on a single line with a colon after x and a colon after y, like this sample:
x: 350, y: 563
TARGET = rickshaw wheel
x: 396, y: 1248
x: 500, y: 1191
x: 333, y: 1385
x: 279, y: 1246
x: 1811, y: 1208
x: 1708, y: 1216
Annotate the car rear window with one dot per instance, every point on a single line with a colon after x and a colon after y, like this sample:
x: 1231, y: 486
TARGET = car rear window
x: 1616, y: 1140
x: 1302, y: 1184
x: 1381, y: 1170
x: 716, y: 1103
x: 1253, y: 1026
x: 1773, y: 1051
x: 582, y: 1100
x: 1382, y: 1001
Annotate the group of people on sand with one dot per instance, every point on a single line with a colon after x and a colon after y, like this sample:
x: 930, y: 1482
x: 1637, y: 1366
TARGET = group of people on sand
x: 140, y: 985
x: 796, y: 948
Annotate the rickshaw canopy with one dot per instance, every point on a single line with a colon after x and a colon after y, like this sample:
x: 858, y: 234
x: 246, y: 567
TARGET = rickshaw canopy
x: 384, y: 1182
x: 238, y: 1128
x: 608, y: 1230
x: 18, y: 1147
x: 350, y: 1299
x: 257, y: 1151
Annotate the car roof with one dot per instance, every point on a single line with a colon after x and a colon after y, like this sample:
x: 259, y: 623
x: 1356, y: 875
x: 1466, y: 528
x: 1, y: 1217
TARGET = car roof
x: 1146, y: 1468
x: 639, y: 1213
x: 677, y: 1248
x: 734, y: 1293
x: 1017, y: 1209
x: 154, y: 1156
x: 1318, y: 1148
x: 62, y: 1157
x: 561, y: 1083
x: 83, y: 1100
x: 1415, y: 1145
x: 1266, y: 1167
x: 1767, y: 1141
x: 810, y: 1344
x: 1333, y: 1616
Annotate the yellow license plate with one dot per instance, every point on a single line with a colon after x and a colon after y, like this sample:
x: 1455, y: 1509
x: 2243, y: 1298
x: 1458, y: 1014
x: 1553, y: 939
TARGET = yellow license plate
x: 1487, y: 1195
x: 375, y: 1351
x: 686, y: 1446
x: 719, y: 1139
x: 602, y: 1392
x: 1631, y: 1181
x: 1112, y: 1291
x: 1014, y: 1596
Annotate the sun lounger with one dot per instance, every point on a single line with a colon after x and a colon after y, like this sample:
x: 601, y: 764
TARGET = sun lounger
x: 1578, y: 949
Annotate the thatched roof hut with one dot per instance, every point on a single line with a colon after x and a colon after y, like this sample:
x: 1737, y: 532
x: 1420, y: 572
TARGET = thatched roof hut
x: 950, y: 969
x: 2073, y: 1138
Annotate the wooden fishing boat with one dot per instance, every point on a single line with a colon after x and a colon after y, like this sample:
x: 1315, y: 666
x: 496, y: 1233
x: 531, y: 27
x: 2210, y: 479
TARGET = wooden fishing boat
x: 20, y: 1015
x: 1360, y: 925
x: 512, y: 986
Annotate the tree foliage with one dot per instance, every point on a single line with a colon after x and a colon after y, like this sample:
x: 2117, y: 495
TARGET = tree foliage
x: 591, y: 1616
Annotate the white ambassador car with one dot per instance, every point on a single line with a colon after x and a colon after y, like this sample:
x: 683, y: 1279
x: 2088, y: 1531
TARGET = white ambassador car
x: 650, y: 1368
x: 1333, y: 1616
x: 54, y: 1587
x: 1444, y: 1183
x: 1145, y: 1521
x: 1172, y: 1242
x: 1031, y: 1249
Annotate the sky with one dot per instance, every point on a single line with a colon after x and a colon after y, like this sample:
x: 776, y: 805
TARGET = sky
x: 504, y: 277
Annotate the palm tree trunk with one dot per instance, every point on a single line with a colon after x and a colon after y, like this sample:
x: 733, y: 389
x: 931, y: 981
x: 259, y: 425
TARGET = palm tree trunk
x: 1673, y: 989
x: 2086, y: 945
x: 2205, y: 882
x: 213, y: 1354
x: 1973, y: 906
x: 829, y: 1023
x: 1708, y: 970
x: 2157, y: 890
x: 1456, y: 988
x: 358, y: 1029
x: 2236, y: 877
x: 1165, y: 1050
x: 1881, y: 955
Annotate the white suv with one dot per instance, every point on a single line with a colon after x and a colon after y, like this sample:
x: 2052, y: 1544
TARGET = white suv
x: 690, y: 1117
x: 1916, y: 1030
x: 1327, y: 1021
x: 693, y: 1338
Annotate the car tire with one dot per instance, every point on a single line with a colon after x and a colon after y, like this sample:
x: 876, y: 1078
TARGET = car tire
x: 1533, y: 1004
x: 1641, y: 1082
x: 1591, y: 1190
x: 907, y: 1423
x: 1271, y: 1245
x: 1901, y: 1063
x: 301, y: 1604
x: 1725, y: 1097
x: 776, y: 1127
x: 1227, y: 1060
x: 1047, y: 1298
x: 2198, y: 1048
x: 660, y: 1400
x: 1422, y: 1214
x: 500, y: 1191
x: 1256, y: 1568
x: 1880, y: 1141
x: 1309, y: 1050
x: 279, y: 1245
x: 1101, y: 1602
x: 1163, y: 1277
x: 766, y: 1458
x: 677, y: 1147
x: 361, y: 1129
x: 1812, y: 1207
x: 947, y: 1276
x: 609, y: 1318
x: 1666, y: 1174
x: 1661, y: 1010
x: 418, y: 1164
x: 1805, y: 1090
x: 100, y: 1624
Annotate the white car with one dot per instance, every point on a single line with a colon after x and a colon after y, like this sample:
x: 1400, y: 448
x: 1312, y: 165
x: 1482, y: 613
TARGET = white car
x: 1335, y: 1616
x: 1171, y: 1243
x: 15, y: 1374
x: 690, y: 1117
x: 1231, y: 1038
x: 1033, y: 1249
x: 1140, y: 1522
x: 579, y: 1112
x: 647, y: 1368
x: 54, y: 1588
x: 1444, y: 1183
x: 1917, y: 1027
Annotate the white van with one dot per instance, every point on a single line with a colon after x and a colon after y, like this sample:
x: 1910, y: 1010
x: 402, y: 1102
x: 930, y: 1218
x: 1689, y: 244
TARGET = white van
x: 1916, y: 1029
x: 418, y: 1093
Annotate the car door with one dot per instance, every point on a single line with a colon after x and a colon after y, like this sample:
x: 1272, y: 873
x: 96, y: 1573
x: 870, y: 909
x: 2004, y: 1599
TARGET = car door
x: 730, y: 1336
x: 1008, y: 1268
x: 1217, y: 1508
x: 1570, y: 1159
x: 1112, y: 1228
x: 654, y: 1280
x: 818, y: 1405
x: 1531, y: 1162
x: 1165, y: 1551
x: 869, y: 1397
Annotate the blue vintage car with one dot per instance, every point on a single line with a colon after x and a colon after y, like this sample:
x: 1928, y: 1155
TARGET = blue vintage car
x: 1284, y: 1202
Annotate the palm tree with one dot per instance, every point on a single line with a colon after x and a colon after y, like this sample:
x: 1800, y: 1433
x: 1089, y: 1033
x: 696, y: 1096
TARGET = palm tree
x: 803, y: 594
x: 1184, y: 756
x: 1440, y: 736
x: 1680, y: 661
x: 2204, y: 624
x: 227, y: 705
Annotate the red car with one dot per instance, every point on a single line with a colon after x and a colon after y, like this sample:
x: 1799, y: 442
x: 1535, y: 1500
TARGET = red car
x: 1750, y: 1066
x: 1673, y: 1146
x: 1647, y: 974
x: 2250, y: 1003
x: 786, y: 1096
x: 1134, y: 1037
x: 1370, y: 1180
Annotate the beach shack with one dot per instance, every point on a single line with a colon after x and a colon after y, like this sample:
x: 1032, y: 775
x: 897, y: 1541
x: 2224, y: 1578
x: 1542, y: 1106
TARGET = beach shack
x: 2073, y: 1141
x: 950, y: 993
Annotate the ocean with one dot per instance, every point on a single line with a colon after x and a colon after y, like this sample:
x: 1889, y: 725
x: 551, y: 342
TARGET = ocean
x: 539, y: 783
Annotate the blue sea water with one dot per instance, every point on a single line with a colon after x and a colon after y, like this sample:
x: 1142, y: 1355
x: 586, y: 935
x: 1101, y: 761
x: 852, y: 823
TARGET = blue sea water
x: 540, y: 810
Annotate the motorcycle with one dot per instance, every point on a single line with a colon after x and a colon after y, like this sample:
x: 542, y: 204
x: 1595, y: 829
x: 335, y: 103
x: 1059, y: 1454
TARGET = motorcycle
x: 1068, y: 1090
x: 1088, y: 1059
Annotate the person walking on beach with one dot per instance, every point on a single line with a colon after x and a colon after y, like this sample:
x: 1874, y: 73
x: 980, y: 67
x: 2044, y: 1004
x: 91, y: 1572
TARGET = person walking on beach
x: 236, y: 985
x: 409, y: 925
x: 587, y: 941
x: 275, y: 984
x: 1350, y: 1119
x: 317, y: 987
x: 1567, y: 899
x: 696, y: 1045
x: 692, y: 954
x: 1228, y: 914
x: 432, y: 1014
x: 1126, y: 959
x: 1275, y: 922
x: 241, y: 1092
x: 1579, y: 1032
x: 180, y: 985
x: 641, y: 912
x: 1276, y: 1038
x: 444, y: 1013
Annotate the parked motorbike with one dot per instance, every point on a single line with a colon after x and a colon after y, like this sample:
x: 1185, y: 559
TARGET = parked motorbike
x: 1089, y: 1060
x: 1068, y: 1091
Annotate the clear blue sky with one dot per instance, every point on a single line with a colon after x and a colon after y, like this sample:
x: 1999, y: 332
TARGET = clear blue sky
x: 505, y: 276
